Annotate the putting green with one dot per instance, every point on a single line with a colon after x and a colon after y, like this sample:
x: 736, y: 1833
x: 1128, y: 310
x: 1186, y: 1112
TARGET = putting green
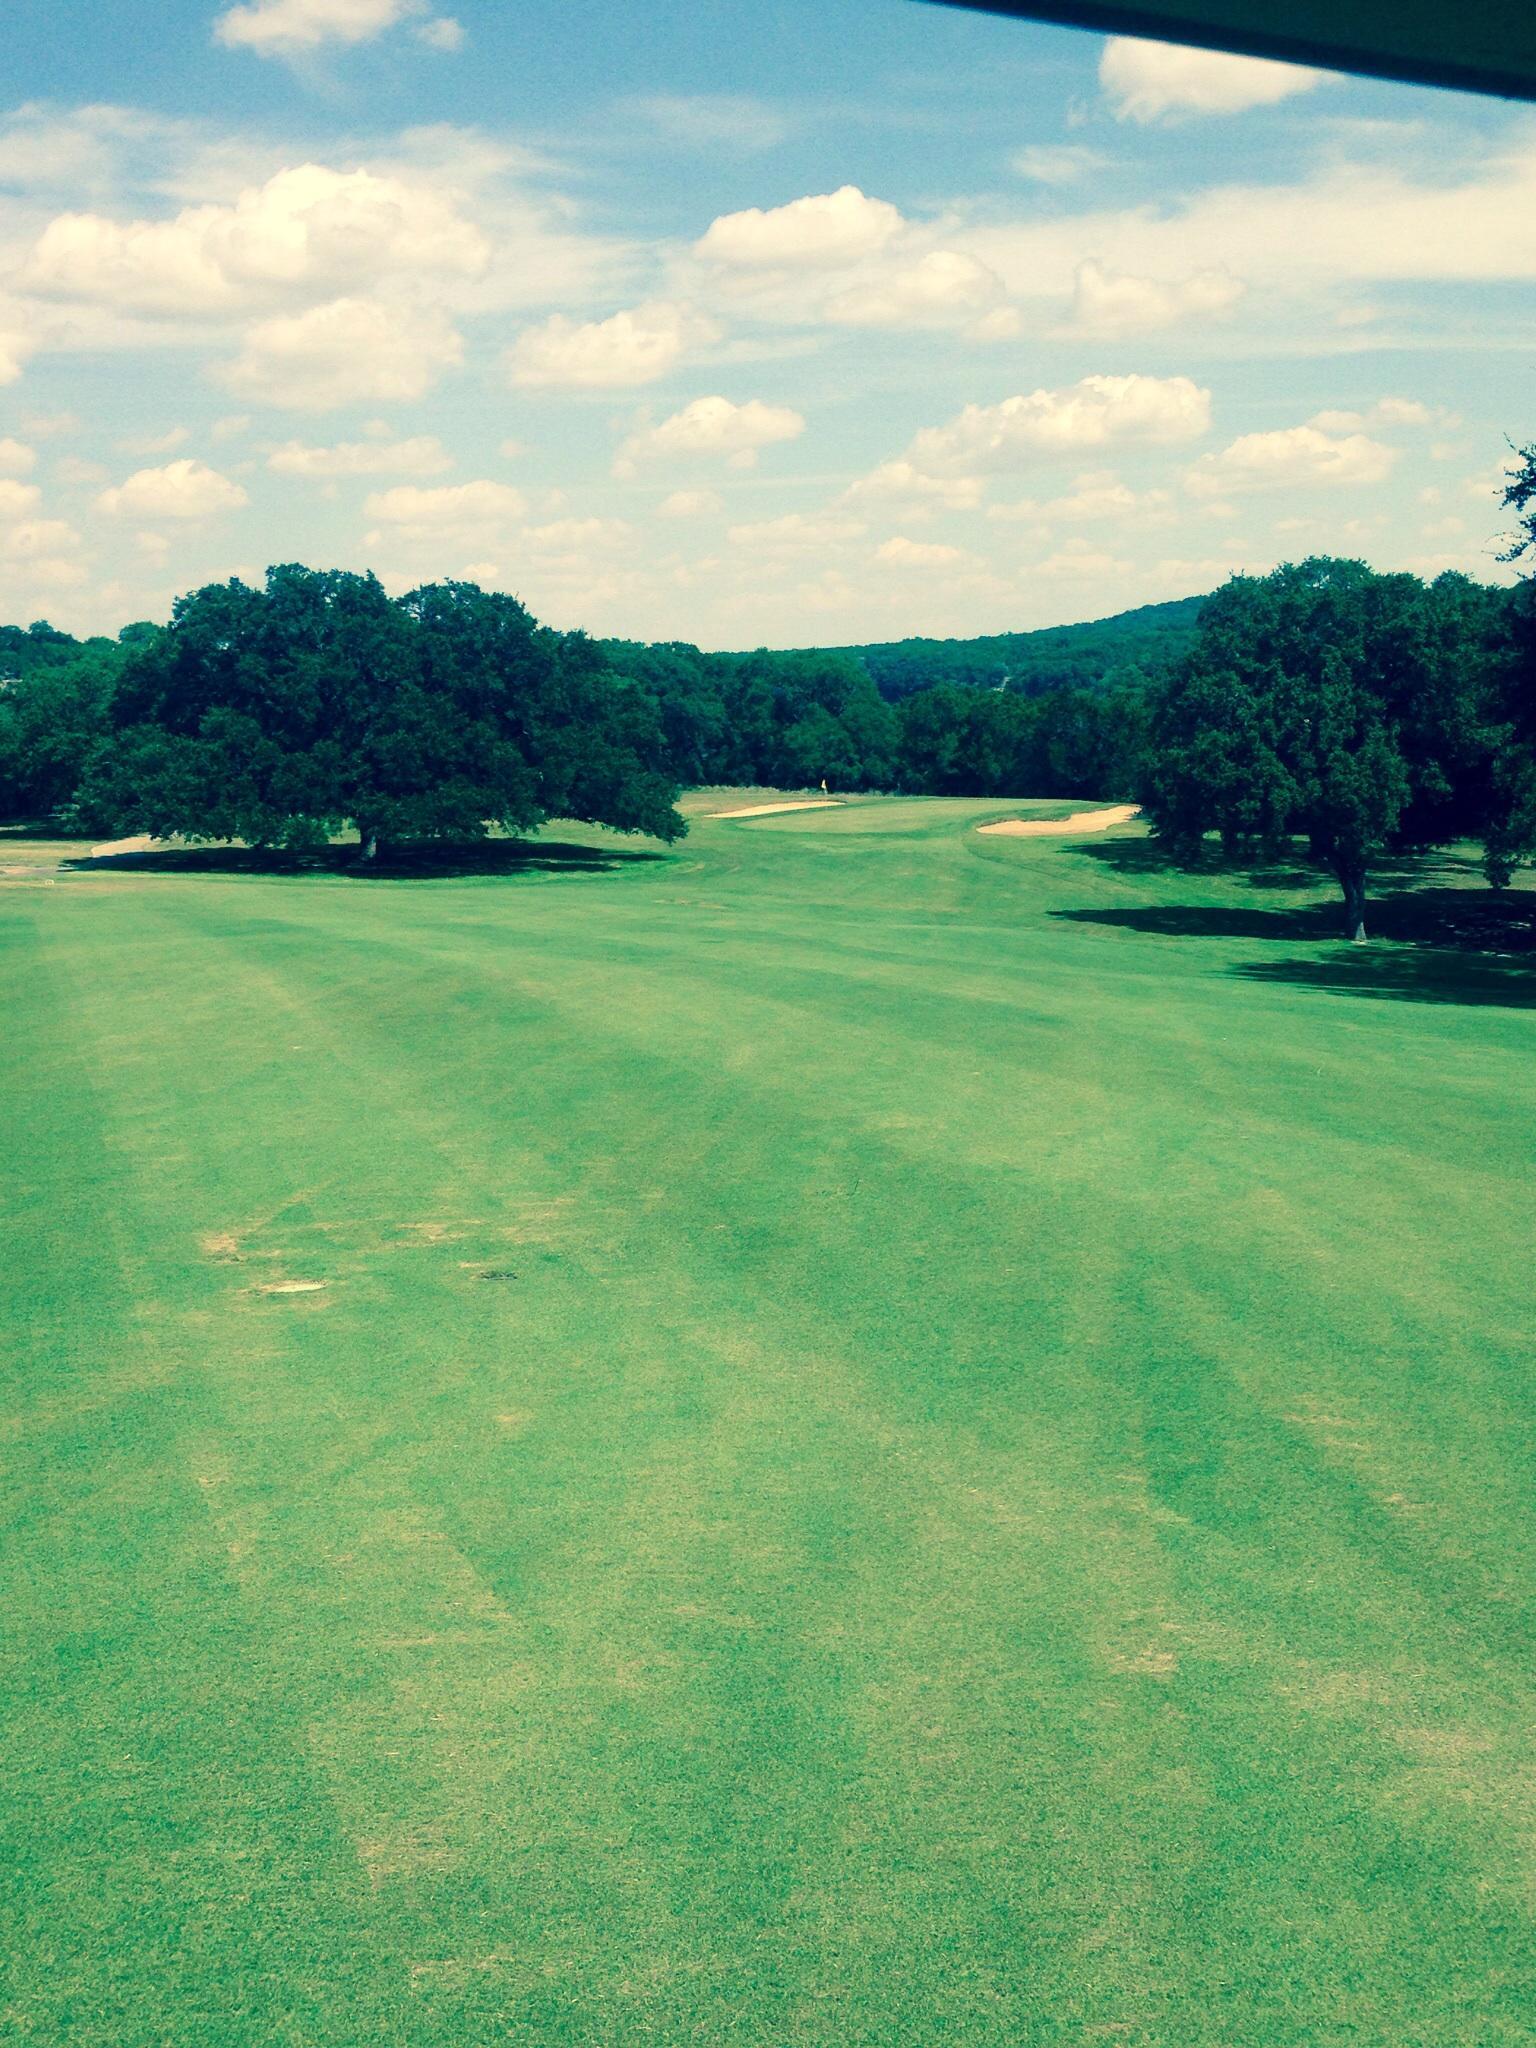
x: 855, y: 1433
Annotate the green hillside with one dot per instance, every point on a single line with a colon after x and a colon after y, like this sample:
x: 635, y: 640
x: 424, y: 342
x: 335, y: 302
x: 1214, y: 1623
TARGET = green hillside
x: 1055, y: 657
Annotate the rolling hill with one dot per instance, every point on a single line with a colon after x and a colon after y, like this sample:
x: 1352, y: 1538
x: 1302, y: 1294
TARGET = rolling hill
x: 1055, y: 657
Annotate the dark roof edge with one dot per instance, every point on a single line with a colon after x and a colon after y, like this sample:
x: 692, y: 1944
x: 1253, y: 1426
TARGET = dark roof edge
x: 1345, y: 46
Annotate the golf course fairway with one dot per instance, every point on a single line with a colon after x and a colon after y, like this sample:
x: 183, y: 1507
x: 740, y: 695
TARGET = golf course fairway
x: 853, y: 1433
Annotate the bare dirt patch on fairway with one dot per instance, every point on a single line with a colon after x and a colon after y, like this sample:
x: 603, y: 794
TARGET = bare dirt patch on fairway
x: 1056, y: 828
x: 431, y: 1232
x: 1150, y: 1663
x: 291, y: 1287
x: 809, y: 803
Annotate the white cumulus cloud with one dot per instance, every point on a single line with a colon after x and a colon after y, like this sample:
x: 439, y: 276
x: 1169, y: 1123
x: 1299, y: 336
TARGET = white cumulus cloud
x: 16, y: 458
x: 940, y: 288
x: 902, y: 553
x: 637, y: 346
x: 1079, y: 557
x: 1058, y: 163
x: 901, y: 483
x: 17, y: 343
x: 1146, y: 81
x: 1290, y: 457
x: 35, y: 540
x: 1098, y: 497
x: 575, y: 536
x: 1403, y: 412
x: 154, y: 444
x: 442, y: 32
x: 1103, y: 303
x: 691, y: 505
x: 187, y: 489
x: 47, y: 426
x: 421, y: 455
x: 1345, y: 227
x: 419, y: 510
x: 828, y: 228
x: 1096, y: 412
x: 1386, y: 412
x: 307, y: 231
x: 712, y: 426
x: 44, y: 148
x: 289, y: 28
x: 795, y: 532
x: 17, y: 500
x: 349, y: 352
x: 32, y: 550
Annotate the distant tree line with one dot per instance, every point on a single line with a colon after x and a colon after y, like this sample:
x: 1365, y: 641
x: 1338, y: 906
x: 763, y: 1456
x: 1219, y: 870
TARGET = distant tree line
x: 791, y: 720
x: 1366, y: 714
x: 785, y: 720
x: 1083, y: 657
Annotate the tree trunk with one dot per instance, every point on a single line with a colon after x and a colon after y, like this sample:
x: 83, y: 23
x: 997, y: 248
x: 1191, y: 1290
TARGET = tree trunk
x: 368, y: 842
x: 1352, y: 882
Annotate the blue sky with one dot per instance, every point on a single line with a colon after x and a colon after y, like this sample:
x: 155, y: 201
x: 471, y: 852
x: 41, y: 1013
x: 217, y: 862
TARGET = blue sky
x: 785, y: 324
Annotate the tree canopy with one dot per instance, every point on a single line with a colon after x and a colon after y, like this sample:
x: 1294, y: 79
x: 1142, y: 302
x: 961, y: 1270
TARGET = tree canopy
x: 51, y: 717
x: 1512, y: 832
x: 1332, y: 702
x: 960, y: 742
x: 280, y: 715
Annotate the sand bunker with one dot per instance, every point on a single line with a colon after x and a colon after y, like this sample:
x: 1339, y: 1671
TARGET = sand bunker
x: 808, y: 803
x: 140, y: 843
x: 1051, y: 828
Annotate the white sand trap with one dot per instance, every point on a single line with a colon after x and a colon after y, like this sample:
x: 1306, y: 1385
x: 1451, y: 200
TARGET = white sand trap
x: 290, y: 1287
x: 1052, y: 828
x: 806, y: 803
x: 141, y: 843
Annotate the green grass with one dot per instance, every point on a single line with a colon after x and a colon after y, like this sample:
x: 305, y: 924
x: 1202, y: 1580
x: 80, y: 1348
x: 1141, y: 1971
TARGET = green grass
x: 907, y: 1439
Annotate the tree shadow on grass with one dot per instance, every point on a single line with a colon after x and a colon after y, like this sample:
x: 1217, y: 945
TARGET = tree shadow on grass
x: 418, y: 863
x: 1290, y: 871
x: 1210, y: 921
x: 1407, y: 975
x: 1428, y: 945
x: 1143, y: 857
x: 1461, y: 920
